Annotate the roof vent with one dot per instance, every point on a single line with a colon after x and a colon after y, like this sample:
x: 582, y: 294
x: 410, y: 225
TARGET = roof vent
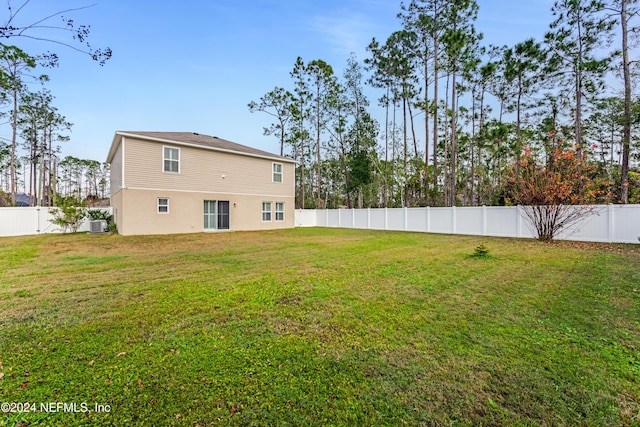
x: 215, y: 137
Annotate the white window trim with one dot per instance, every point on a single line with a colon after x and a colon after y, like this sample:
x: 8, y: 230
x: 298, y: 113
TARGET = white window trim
x: 277, y: 212
x: 159, y: 205
x: 270, y: 211
x: 281, y: 173
x: 163, y: 159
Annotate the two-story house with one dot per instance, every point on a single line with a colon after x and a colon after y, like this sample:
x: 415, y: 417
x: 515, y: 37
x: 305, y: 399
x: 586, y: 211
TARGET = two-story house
x: 181, y: 182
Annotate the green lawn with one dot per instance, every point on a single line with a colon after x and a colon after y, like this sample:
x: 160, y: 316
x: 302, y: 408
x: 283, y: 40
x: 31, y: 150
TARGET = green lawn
x: 319, y: 327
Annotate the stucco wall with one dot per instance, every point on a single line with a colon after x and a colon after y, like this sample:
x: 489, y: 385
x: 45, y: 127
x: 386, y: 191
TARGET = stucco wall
x: 186, y: 212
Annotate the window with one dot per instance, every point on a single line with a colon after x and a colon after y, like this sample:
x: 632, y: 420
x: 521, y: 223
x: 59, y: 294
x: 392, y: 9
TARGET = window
x: 163, y: 205
x: 171, y: 160
x: 266, y: 211
x: 279, y: 211
x: 216, y: 214
x: 277, y: 172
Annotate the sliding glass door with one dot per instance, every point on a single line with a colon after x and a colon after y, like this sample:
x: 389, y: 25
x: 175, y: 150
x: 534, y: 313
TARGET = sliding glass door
x: 216, y: 214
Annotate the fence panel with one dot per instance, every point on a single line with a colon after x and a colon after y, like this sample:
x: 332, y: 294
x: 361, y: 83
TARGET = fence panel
x: 32, y: 220
x: 441, y: 220
x: 502, y: 221
x: 417, y: 219
x: 470, y: 220
x: 395, y: 219
x: 625, y: 223
x: 378, y: 219
x: 346, y: 218
x: 361, y: 218
x: 612, y: 223
x: 594, y: 228
x: 18, y: 221
x: 308, y: 218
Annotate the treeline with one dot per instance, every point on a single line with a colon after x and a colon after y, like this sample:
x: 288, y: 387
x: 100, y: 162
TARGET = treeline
x: 68, y: 176
x: 30, y: 160
x: 459, y: 115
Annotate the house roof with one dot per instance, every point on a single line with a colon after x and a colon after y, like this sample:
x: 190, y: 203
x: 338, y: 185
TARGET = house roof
x: 195, y: 140
x: 22, y: 199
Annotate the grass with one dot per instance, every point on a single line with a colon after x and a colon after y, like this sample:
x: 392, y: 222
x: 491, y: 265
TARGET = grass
x: 319, y: 327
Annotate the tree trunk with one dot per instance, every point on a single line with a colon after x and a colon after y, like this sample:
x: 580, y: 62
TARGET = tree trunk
x: 435, y: 113
x: 14, y: 143
x: 626, y: 129
x: 426, y: 115
x: 454, y: 144
x: 319, y: 177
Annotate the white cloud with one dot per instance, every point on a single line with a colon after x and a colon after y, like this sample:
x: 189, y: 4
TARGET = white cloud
x: 345, y: 33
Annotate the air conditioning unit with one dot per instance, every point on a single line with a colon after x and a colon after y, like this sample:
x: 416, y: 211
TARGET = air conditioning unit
x: 99, y: 226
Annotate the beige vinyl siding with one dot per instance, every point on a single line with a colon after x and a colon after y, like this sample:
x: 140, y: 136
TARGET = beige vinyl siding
x: 115, y: 179
x: 203, y: 170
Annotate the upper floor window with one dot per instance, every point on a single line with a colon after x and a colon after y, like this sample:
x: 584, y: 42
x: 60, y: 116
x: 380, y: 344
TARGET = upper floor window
x: 277, y: 172
x: 171, y: 159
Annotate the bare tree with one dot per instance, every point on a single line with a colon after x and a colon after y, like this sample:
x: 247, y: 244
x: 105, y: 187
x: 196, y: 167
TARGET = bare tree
x: 12, y: 28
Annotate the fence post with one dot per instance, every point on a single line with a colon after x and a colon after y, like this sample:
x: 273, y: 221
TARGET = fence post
x: 353, y: 217
x: 386, y: 219
x: 406, y: 220
x: 428, y: 219
x: 518, y: 222
x: 483, y: 223
x: 368, y: 218
x: 611, y: 222
x: 326, y: 217
x: 453, y: 220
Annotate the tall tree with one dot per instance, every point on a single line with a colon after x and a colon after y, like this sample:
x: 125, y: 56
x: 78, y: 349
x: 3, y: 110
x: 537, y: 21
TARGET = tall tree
x: 417, y: 20
x: 625, y: 11
x: 460, y: 43
x: 429, y: 17
x: 523, y: 71
x: 361, y: 136
x: 15, y: 67
x: 322, y: 82
x: 300, y: 114
x: 278, y: 104
x: 578, y: 32
x: 42, y: 127
x: 379, y: 64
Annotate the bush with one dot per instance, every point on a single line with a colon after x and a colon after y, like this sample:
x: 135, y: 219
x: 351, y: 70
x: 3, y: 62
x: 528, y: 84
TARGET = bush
x: 112, y: 227
x: 100, y: 214
x: 555, y: 196
x: 5, y: 199
x: 68, y: 213
x: 481, y: 251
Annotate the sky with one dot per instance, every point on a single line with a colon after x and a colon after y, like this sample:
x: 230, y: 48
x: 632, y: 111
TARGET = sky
x: 194, y: 65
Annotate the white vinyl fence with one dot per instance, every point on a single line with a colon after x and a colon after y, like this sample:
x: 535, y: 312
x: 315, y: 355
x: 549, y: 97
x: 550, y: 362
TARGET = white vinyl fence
x: 31, y: 220
x: 610, y: 223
